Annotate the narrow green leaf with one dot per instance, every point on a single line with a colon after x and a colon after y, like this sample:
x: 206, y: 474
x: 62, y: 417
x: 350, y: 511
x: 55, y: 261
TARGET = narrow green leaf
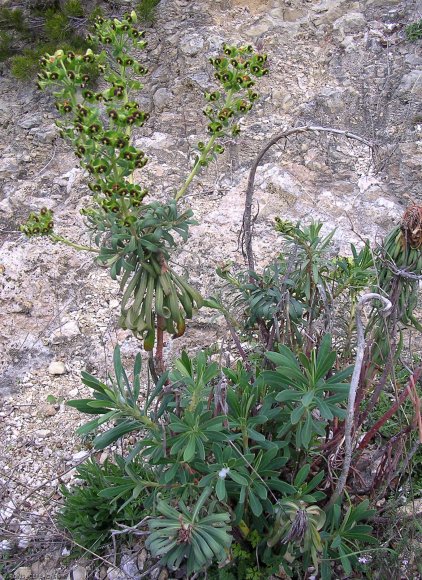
x: 235, y: 476
x: 189, y: 452
x: 255, y: 504
x: 307, y: 430
x: 220, y: 489
x: 105, y: 439
x: 83, y: 406
x: 297, y: 414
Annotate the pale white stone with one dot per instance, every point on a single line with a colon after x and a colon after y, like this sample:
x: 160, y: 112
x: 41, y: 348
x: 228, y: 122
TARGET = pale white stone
x: 57, y: 367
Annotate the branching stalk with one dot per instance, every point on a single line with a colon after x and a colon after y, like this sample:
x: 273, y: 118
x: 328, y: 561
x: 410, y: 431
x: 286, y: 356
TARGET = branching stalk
x: 62, y: 240
x: 204, y: 154
x: 196, y: 168
x: 247, y: 226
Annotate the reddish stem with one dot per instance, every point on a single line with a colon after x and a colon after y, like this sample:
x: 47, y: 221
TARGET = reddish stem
x: 375, y: 428
x: 159, y: 358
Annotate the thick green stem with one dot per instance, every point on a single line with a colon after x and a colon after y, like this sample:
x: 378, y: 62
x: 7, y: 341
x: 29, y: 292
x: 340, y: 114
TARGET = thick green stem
x: 203, y: 155
x: 196, y: 168
x: 63, y: 240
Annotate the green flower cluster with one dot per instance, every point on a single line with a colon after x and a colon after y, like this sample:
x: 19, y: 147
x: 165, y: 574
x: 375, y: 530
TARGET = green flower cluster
x: 40, y: 224
x: 235, y: 70
x: 65, y: 69
x: 99, y: 123
x: 135, y: 238
x: 117, y: 33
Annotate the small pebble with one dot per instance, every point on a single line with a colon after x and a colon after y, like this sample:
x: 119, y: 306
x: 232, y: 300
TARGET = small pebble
x: 57, y: 367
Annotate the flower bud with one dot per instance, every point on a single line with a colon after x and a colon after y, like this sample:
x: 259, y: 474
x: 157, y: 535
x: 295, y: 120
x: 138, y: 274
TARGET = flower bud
x: 88, y: 95
x: 215, y: 128
x: 94, y: 128
x: 82, y: 111
x: 88, y: 56
x: 139, y: 163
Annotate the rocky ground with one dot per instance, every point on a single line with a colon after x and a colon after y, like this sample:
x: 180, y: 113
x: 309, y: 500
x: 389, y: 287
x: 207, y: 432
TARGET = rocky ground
x: 337, y: 63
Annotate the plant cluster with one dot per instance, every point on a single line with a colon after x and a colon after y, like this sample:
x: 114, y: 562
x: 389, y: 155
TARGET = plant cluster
x: 146, y: 10
x: 88, y: 514
x: 226, y: 449
x: 135, y: 238
x: 245, y: 458
x: 234, y: 458
x: 27, y: 35
x: 414, y: 31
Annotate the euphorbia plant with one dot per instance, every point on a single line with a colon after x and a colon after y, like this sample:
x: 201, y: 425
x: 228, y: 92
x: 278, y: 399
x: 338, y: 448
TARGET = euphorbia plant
x: 134, y: 237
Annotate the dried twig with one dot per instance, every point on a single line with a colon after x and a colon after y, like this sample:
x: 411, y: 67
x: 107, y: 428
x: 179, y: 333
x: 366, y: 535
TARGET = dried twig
x: 353, y: 388
x: 246, y: 233
x: 236, y: 341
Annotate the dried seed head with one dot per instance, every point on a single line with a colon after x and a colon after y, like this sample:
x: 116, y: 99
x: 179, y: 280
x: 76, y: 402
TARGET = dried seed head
x: 298, y: 529
x: 411, y: 226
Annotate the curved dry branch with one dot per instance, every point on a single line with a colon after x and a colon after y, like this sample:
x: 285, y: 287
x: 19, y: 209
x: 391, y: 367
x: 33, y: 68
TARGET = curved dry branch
x: 246, y: 232
x: 348, y: 439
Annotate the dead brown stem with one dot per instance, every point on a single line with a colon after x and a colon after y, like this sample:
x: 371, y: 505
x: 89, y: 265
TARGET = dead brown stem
x: 247, y: 227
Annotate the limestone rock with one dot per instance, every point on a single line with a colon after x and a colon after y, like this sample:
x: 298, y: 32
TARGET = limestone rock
x: 30, y: 121
x: 161, y: 98
x: 191, y: 44
x: 6, y: 210
x: 44, y: 134
x: 22, y: 573
x: 293, y: 14
x: 411, y: 83
x: 9, y: 167
x: 67, y: 331
x: 78, y: 573
x: 259, y: 28
x: 57, y: 367
x: 49, y: 411
x: 80, y: 455
x: 350, y: 23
